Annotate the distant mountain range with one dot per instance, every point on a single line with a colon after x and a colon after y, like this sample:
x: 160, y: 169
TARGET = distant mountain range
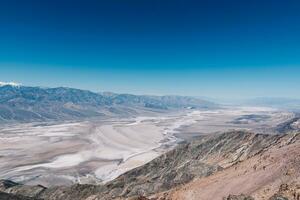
x: 280, y: 103
x: 22, y: 103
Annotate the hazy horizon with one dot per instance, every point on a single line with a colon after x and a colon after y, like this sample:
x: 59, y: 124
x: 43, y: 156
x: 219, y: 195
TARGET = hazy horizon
x: 207, y: 98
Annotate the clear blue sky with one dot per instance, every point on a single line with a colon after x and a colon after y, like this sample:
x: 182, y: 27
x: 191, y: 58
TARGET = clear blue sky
x: 216, y: 48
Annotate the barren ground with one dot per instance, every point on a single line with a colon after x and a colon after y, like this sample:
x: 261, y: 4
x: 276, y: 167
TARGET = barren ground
x: 98, y: 151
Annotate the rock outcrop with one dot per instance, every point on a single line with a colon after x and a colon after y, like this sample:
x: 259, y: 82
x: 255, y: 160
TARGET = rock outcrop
x: 238, y: 197
x: 287, y: 192
x: 8, y: 196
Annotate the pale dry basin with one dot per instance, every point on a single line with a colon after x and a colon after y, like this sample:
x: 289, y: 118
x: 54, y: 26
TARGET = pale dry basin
x: 83, y: 152
x: 98, y: 151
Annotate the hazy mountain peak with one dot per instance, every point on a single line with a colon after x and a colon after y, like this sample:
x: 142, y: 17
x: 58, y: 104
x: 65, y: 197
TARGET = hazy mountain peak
x: 10, y: 84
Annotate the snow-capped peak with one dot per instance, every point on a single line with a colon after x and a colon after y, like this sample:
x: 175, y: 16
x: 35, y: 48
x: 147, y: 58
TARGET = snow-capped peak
x: 9, y: 83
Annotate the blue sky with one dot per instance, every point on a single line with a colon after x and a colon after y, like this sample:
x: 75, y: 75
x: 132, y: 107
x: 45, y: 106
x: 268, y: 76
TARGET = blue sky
x: 216, y: 48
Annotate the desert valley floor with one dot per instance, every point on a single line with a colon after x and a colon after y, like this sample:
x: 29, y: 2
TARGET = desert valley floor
x: 100, y: 150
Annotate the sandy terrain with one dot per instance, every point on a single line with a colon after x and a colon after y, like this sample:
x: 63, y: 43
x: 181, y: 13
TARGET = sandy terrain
x: 98, y: 151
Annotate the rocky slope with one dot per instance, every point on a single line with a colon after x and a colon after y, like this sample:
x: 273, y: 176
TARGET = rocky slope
x: 292, y: 125
x: 212, y: 167
x: 259, y: 176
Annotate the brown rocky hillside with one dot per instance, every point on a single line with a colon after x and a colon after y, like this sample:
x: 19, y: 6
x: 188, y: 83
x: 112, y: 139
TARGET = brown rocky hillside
x: 221, y: 166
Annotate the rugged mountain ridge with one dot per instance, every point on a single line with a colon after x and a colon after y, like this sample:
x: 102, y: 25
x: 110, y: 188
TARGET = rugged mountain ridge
x: 292, y: 125
x: 207, y: 157
x: 25, y: 104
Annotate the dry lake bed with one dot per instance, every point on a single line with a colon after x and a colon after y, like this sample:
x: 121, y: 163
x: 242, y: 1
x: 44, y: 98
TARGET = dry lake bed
x: 99, y: 150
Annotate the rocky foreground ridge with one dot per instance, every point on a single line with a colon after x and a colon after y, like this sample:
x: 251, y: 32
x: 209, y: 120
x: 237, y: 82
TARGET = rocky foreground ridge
x: 236, y: 165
